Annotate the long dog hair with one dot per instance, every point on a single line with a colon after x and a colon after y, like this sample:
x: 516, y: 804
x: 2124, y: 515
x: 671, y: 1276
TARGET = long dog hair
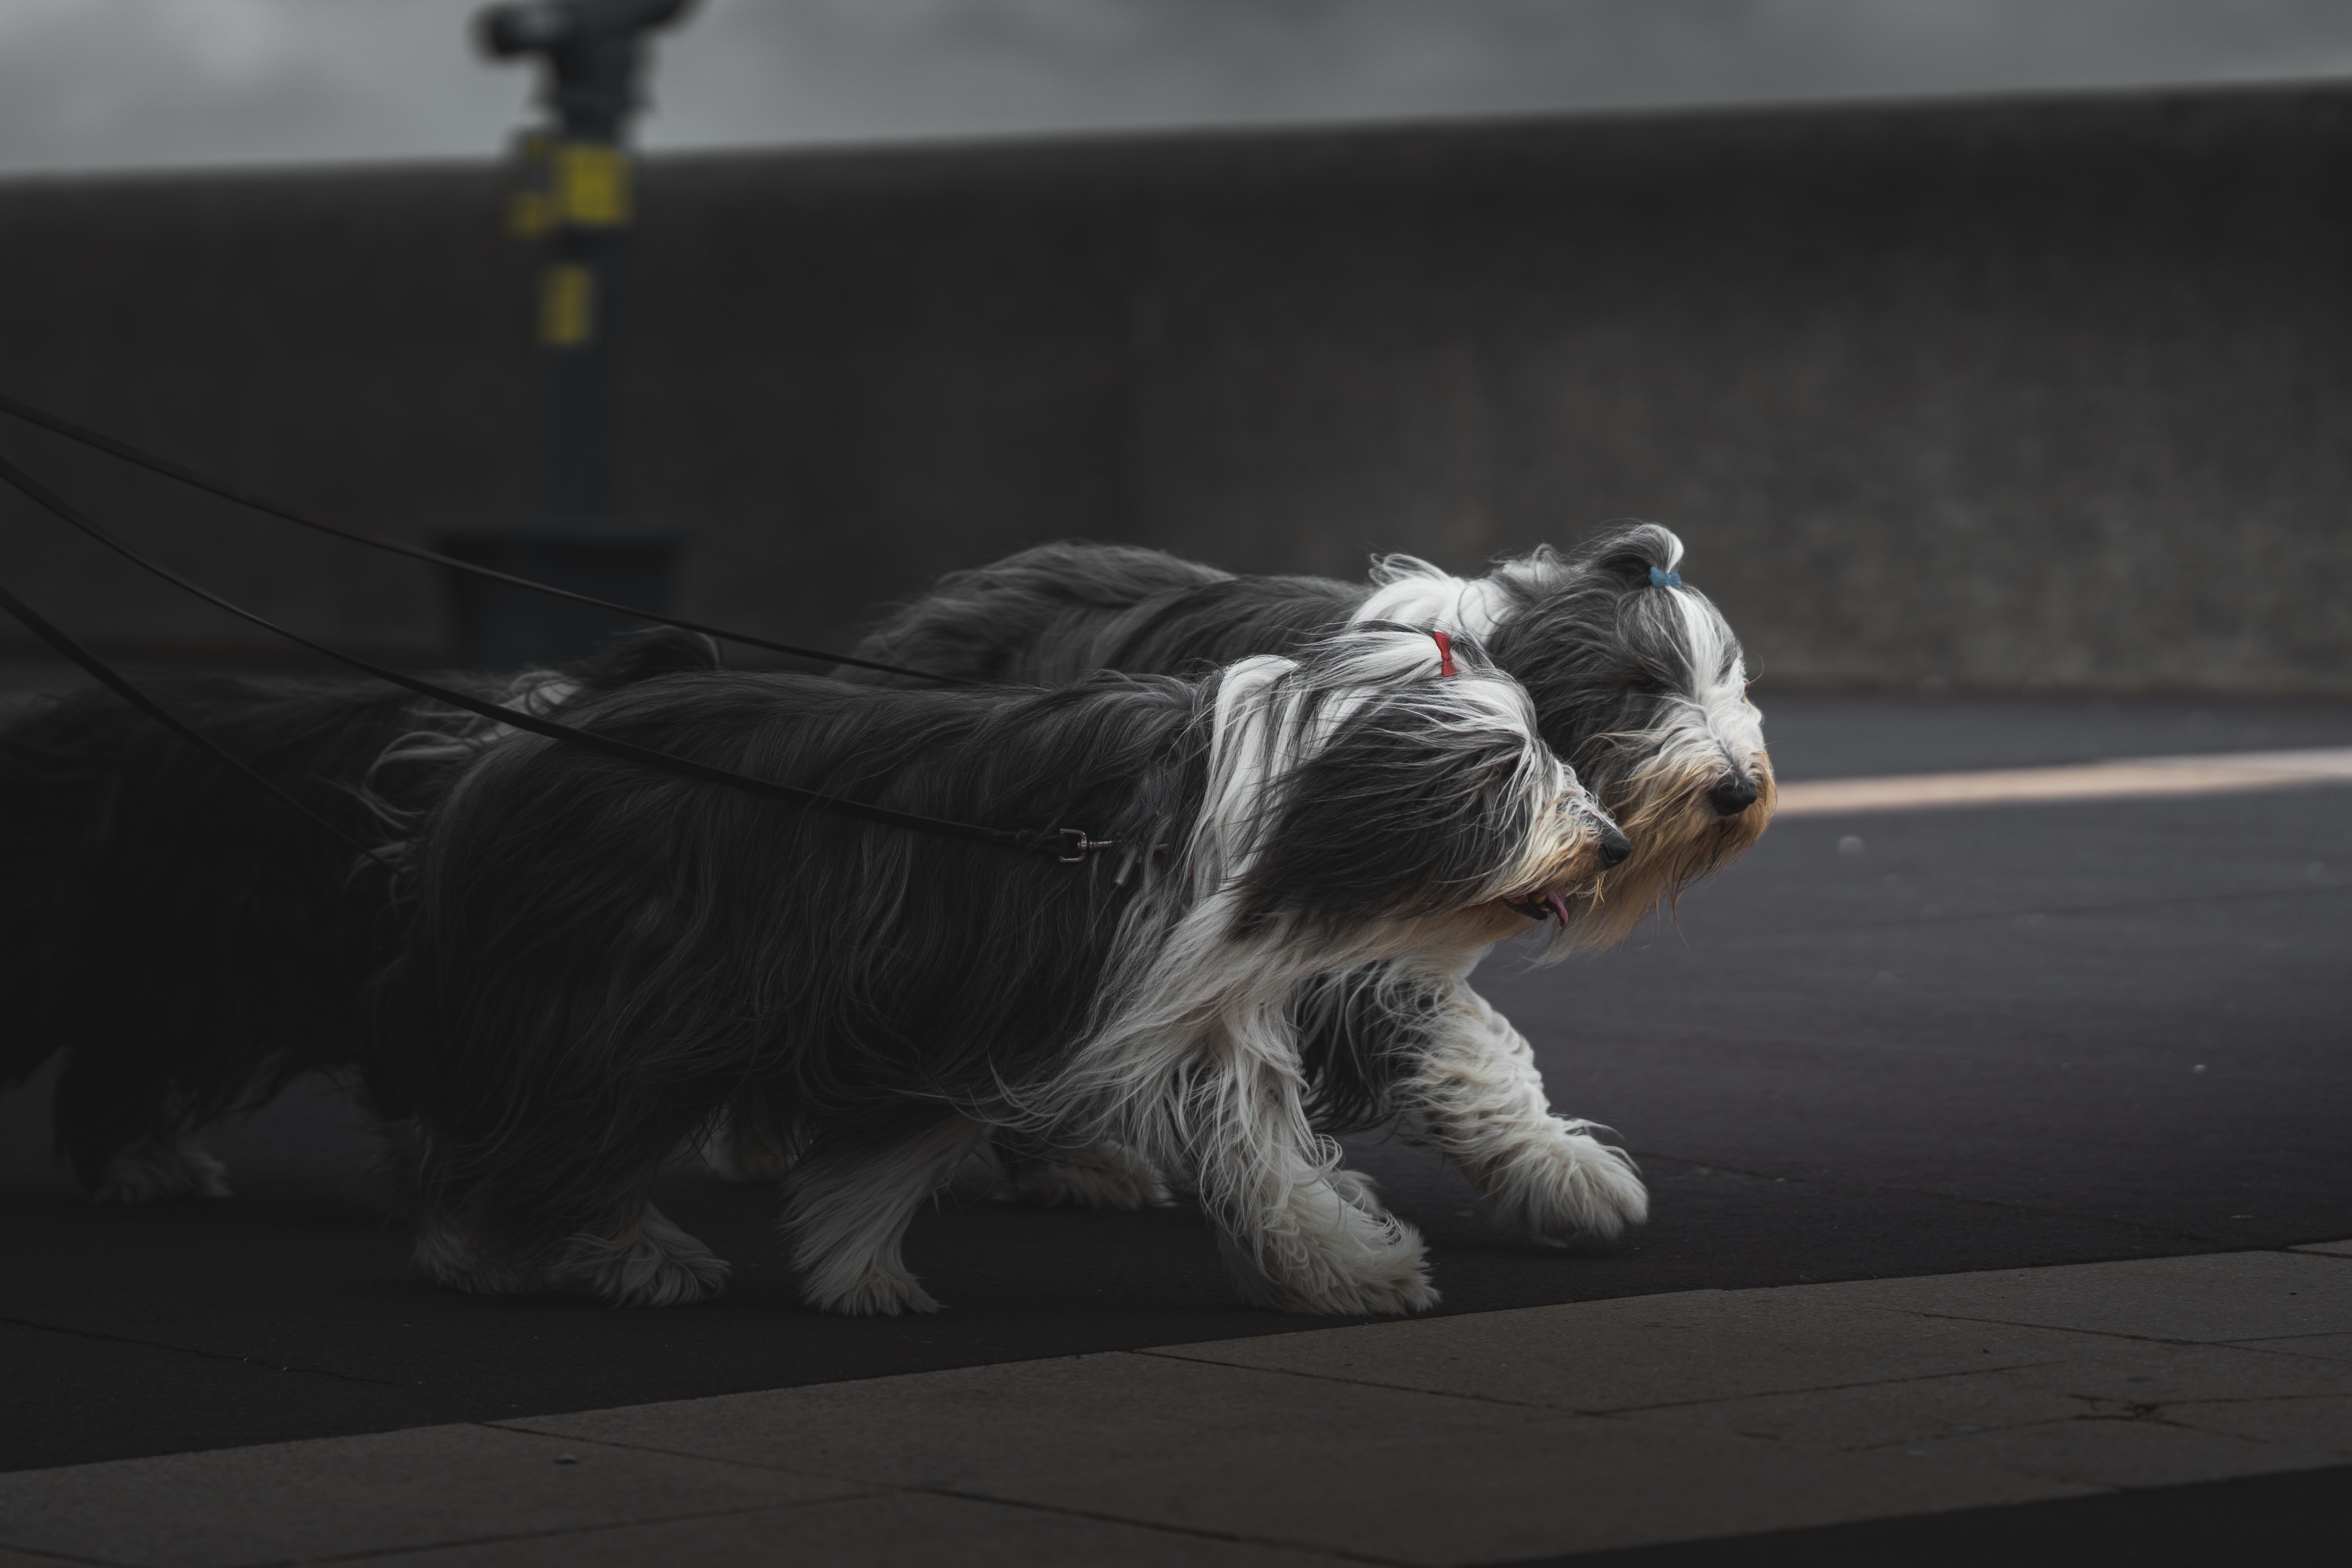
x: 603, y: 961
x: 1638, y: 682
x: 192, y: 944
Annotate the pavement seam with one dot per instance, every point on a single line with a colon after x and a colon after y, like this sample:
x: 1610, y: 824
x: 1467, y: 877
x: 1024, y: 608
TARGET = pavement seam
x: 526, y: 1534
x: 626, y: 1445
x: 874, y: 1489
x: 1172, y: 1354
x: 1613, y: 1411
x: 2137, y: 1416
x: 2069, y: 1328
x: 1821, y: 1388
x: 39, y: 1326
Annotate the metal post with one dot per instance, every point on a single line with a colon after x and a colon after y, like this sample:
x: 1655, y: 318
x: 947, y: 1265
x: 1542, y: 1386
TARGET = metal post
x: 591, y: 49
x: 577, y: 206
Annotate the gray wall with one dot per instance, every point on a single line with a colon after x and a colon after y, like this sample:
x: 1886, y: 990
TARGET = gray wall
x: 2038, y: 391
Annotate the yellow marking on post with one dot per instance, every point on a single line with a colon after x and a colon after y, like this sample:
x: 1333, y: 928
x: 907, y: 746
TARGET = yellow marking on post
x: 567, y: 306
x: 591, y: 184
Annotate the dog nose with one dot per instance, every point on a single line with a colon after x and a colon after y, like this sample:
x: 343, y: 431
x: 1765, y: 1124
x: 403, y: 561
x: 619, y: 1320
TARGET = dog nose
x: 1614, y: 846
x: 1733, y: 796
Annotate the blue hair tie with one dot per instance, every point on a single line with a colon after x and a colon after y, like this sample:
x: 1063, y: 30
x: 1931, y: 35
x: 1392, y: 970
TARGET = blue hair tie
x: 1664, y: 579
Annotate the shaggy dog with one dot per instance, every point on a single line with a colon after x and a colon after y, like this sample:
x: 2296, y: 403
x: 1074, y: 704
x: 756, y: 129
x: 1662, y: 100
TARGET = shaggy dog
x: 1637, y: 682
x: 605, y: 960
x: 191, y: 942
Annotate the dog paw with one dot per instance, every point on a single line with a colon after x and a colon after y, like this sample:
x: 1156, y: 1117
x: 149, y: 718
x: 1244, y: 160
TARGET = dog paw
x: 881, y: 1291
x: 1569, y: 1186
x: 1103, y: 1174
x: 167, y: 1168
x: 1403, y: 1289
x: 446, y: 1255
x: 650, y: 1263
x: 1371, y: 1264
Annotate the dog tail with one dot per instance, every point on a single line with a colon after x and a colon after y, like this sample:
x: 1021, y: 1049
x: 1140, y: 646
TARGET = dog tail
x: 58, y: 762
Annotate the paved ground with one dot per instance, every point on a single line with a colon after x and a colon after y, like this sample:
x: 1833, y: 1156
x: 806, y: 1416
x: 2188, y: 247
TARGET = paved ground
x: 1493, y: 1437
x: 1889, y: 1045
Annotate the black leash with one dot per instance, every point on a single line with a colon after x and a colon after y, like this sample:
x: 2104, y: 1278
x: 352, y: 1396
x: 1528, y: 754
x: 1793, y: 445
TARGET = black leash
x: 112, y: 680
x: 243, y: 497
x: 1069, y: 845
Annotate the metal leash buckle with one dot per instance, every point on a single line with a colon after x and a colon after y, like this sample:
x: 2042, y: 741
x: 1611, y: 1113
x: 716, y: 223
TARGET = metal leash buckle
x: 1075, y: 840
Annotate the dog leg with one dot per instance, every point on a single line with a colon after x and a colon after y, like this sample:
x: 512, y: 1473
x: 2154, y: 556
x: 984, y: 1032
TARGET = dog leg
x: 642, y: 1261
x: 170, y: 1164
x: 1099, y: 1175
x: 449, y: 1254
x: 735, y: 1152
x: 1299, y: 1233
x: 849, y: 1209
x: 1546, y: 1176
x: 646, y: 1260
x: 120, y: 1127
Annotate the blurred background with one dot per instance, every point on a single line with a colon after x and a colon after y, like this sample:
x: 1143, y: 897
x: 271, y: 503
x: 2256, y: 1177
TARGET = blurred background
x: 1989, y: 344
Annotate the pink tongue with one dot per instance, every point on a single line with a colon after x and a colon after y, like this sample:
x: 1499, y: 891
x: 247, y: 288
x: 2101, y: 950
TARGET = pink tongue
x: 1559, y: 906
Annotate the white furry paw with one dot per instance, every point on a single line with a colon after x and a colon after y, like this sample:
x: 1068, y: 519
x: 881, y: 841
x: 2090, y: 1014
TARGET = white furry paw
x: 1103, y: 1174
x: 1349, y: 1258
x: 650, y: 1263
x: 169, y: 1167
x: 1567, y: 1187
x: 881, y: 1290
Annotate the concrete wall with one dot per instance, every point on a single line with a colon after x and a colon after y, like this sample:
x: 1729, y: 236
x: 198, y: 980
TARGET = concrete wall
x: 2038, y: 391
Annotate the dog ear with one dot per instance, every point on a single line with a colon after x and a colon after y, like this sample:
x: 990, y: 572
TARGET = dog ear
x: 1626, y: 551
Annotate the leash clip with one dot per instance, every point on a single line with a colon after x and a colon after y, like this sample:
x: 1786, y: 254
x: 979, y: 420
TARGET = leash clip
x: 1079, y: 846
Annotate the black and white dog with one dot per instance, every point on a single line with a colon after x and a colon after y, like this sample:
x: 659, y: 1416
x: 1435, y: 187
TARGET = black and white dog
x: 191, y: 944
x: 1637, y: 682
x: 602, y: 960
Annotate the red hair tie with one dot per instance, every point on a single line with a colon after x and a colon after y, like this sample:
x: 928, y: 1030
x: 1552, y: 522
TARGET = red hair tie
x: 1444, y: 655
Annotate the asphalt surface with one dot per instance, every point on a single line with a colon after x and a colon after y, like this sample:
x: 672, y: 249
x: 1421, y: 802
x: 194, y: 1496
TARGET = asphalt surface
x: 1894, y: 1044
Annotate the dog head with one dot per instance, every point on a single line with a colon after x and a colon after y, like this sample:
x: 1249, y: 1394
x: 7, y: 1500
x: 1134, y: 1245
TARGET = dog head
x: 1390, y: 782
x: 1640, y: 684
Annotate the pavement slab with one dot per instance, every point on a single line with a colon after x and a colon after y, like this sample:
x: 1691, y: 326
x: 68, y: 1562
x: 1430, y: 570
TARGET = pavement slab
x: 1479, y: 1438
x: 338, y: 1496
x: 1603, y: 1356
x: 2232, y: 1297
x: 867, y: 1532
x: 2120, y: 1451
x: 957, y: 1429
x: 1569, y: 1484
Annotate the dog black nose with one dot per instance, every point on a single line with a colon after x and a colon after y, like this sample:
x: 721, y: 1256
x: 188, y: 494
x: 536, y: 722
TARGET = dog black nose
x: 1614, y: 846
x: 1733, y: 796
